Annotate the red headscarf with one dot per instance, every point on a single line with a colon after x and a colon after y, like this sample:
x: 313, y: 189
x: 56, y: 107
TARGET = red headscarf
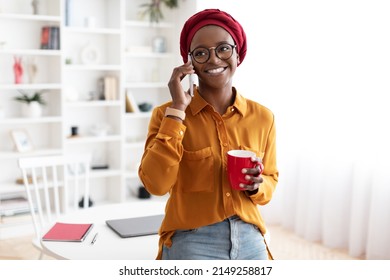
x: 212, y: 17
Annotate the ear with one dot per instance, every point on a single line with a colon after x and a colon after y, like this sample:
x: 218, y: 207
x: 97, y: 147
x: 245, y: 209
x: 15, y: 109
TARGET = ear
x: 238, y: 59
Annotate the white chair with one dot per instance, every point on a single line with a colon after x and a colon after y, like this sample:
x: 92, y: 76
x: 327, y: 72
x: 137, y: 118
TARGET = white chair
x: 54, y: 185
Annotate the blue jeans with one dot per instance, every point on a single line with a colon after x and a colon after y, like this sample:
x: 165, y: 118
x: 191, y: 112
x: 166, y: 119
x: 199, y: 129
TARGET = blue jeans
x: 231, y: 239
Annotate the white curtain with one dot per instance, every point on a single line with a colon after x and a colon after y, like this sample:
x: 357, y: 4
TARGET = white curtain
x: 323, y: 68
x: 333, y: 116
x: 338, y: 200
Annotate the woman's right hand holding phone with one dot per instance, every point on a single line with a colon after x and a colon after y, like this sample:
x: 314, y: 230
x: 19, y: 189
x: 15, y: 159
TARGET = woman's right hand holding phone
x: 180, y: 98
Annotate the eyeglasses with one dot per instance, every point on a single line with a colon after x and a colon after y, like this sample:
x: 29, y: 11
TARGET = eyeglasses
x: 223, y: 51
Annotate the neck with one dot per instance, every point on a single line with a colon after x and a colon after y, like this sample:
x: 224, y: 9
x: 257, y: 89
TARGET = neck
x: 220, y: 99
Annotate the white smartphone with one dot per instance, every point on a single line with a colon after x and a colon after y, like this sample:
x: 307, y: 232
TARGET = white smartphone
x: 191, y: 79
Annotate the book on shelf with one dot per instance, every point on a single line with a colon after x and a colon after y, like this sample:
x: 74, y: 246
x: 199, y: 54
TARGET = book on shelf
x: 131, y: 104
x: 68, y: 232
x: 50, y: 38
x: 110, y: 88
x: 68, y: 11
x: 54, y: 42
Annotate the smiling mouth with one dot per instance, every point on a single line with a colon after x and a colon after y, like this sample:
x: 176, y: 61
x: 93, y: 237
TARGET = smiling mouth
x: 216, y: 70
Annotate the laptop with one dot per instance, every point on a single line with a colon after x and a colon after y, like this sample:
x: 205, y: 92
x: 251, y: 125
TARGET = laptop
x: 139, y: 226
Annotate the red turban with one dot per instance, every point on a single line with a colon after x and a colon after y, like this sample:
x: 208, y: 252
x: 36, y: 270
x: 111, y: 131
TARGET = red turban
x: 212, y: 17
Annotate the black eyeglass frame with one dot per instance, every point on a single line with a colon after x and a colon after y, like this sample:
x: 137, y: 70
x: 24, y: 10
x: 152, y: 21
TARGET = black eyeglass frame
x: 209, y: 52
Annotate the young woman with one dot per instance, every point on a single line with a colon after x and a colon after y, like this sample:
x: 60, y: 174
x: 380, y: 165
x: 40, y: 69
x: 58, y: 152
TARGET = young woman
x: 186, y: 150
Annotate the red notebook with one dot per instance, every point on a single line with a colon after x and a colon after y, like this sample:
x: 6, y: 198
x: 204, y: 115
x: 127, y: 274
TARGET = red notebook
x: 68, y: 232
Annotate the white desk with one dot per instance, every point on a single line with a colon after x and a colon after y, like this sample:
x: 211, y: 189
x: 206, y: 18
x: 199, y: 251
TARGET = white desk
x: 108, y: 246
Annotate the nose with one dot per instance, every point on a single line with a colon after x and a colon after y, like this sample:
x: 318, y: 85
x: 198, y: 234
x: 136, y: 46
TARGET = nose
x: 213, y: 55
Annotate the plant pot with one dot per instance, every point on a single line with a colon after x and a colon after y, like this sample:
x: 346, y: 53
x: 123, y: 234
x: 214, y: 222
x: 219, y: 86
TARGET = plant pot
x: 31, y: 110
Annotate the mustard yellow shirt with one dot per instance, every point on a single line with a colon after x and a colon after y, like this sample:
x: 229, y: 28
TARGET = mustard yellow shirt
x: 188, y: 161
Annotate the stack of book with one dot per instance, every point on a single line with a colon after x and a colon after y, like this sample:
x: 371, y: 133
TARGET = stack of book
x: 50, y: 38
x: 13, y: 206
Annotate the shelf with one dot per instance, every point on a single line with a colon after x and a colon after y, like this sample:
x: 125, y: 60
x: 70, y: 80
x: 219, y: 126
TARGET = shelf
x: 86, y: 30
x: 36, y: 152
x: 29, y: 17
x: 148, y: 55
x: 98, y: 67
x: 94, y: 103
x: 31, y: 120
x: 93, y: 139
x: 31, y: 52
x: 31, y: 86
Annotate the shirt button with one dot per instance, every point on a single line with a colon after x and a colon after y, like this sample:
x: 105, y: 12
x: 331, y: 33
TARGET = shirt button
x: 227, y: 194
x: 181, y: 132
x: 225, y: 144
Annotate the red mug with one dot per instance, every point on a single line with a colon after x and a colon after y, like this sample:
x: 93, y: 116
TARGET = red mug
x: 236, y: 161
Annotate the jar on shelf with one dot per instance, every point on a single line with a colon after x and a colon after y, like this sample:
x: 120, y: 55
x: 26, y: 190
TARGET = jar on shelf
x: 159, y: 44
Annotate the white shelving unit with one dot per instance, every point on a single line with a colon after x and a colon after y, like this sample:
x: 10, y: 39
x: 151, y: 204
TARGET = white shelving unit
x: 92, y: 41
x: 146, y: 73
x: 98, y: 38
x: 20, y: 37
x: 20, y: 34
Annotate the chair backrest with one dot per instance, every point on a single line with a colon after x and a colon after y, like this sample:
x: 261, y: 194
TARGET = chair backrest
x: 54, y: 185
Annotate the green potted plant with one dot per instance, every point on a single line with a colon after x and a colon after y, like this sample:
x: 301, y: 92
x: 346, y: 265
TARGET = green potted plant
x: 153, y: 9
x: 31, y: 103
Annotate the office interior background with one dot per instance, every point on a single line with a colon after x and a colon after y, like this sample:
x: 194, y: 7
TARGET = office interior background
x: 322, y: 67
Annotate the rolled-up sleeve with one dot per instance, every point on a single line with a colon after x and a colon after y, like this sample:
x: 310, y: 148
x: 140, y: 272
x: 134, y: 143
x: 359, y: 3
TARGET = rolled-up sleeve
x: 270, y: 174
x: 163, y: 152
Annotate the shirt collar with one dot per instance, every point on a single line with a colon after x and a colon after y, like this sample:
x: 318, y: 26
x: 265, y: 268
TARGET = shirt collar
x: 240, y: 103
x: 198, y: 103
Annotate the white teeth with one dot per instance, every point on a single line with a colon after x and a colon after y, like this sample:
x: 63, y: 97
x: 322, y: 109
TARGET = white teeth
x: 215, y: 71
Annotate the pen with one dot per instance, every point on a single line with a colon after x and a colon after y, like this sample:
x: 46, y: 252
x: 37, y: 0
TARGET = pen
x: 94, y: 238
